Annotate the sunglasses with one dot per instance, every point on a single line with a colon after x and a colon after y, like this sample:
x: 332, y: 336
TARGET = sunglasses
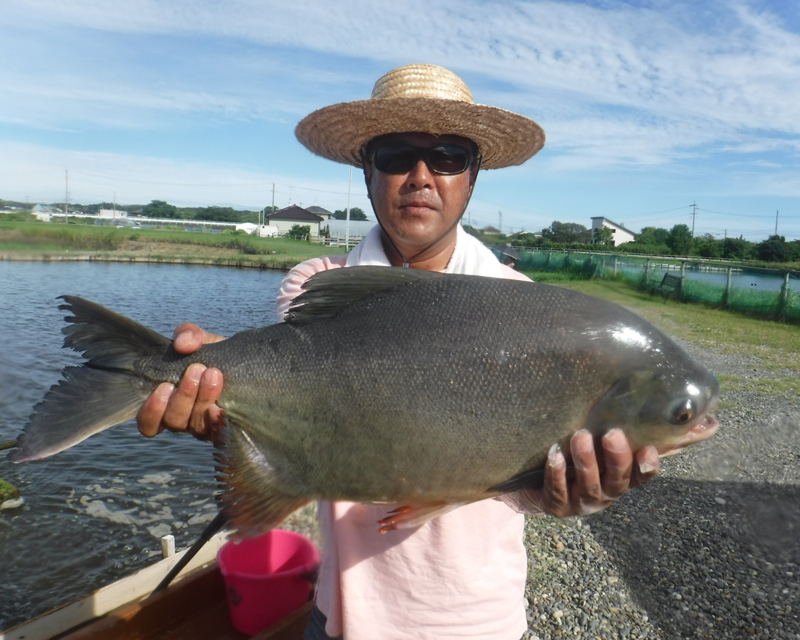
x: 443, y: 159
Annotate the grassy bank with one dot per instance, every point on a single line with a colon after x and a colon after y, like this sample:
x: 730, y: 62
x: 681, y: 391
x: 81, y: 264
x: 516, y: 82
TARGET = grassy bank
x: 776, y: 344
x: 53, y: 240
x: 772, y: 347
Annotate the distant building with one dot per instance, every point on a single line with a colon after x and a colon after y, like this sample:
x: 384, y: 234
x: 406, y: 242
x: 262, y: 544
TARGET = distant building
x: 286, y: 218
x: 621, y: 235
x: 44, y: 213
x: 489, y: 230
x: 322, y: 213
x: 358, y: 229
x: 112, y: 213
x: 247, y: 227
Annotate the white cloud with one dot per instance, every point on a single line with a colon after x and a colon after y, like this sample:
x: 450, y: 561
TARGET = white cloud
x: 683, y: 78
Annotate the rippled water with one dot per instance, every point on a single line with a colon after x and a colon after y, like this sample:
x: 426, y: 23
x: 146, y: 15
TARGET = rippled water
x: 96, y: 512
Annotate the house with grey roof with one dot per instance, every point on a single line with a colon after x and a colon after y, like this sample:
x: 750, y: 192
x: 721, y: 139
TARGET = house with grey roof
x: 289, y: 216
x: 322, y: 213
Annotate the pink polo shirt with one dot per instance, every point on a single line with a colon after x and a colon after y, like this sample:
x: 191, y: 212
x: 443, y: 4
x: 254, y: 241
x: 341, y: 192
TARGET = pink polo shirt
x: 461, y: 575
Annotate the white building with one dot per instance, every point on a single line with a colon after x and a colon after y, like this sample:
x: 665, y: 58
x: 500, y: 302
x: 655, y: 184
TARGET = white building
x: 621, y: 235
x: 338, y: 229
x: 113, y: 214
x: 286, y: 218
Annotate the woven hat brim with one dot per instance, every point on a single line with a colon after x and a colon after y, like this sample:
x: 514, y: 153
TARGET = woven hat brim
x: 340, y: 131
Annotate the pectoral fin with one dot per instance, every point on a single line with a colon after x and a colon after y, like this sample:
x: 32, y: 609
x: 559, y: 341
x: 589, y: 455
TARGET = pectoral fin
x: 531, y: 479
x: 253, y: 499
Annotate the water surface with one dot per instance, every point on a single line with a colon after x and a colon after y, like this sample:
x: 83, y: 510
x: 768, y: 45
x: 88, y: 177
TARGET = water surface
x: 96, y: 512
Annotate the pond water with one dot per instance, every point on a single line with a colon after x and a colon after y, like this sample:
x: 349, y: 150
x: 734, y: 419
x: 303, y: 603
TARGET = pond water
x: 96, y: 512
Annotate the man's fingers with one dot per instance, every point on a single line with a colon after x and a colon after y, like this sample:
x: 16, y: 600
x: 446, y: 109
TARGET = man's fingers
x: 647, y: 466
x: 179, y: 408
x: 618, y: 459
x: 587, y: 472
x: 555, y: 492
x: 204, y: 413
x: 188, y: 338
x: 149, y: 417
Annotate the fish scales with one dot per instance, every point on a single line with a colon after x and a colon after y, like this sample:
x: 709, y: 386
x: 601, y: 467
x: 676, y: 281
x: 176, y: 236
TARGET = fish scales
x: 417, y: 387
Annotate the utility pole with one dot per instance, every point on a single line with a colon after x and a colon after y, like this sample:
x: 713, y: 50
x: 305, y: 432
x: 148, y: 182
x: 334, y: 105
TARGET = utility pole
x: 115, y: 205
x: 500, y: 213
x: 347, y: 213
x: 273, y: 198
x: 776, y: 223
x: 694, y: 213
x: 66, y: 196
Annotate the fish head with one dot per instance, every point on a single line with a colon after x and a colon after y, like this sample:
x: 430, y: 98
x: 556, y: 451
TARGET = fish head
x: 669, y: 408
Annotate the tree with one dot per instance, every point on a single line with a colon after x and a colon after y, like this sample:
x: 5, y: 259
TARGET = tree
x: 300, y: 232
x: 679, y: 240
x: 217, y: 214
x: 707, y: 246
x: 604, y: 236
x: 160, y: 209
x: 774, y: 249
x: 651, y: 235
x: 355, y: 214
x: 567, y: 232
x: 736, y: 248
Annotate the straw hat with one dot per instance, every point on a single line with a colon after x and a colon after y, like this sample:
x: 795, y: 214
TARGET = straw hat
x: 420, y: 98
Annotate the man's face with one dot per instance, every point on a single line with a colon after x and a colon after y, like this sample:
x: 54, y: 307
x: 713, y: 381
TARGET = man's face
x: 420, y: 207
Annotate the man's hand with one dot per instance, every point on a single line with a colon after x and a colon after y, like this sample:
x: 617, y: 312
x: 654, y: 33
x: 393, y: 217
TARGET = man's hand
x: 590, y: 490
x: 191, y: 405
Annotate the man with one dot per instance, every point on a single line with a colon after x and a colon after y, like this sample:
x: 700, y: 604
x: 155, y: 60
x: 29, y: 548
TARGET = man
x: 421, y: 141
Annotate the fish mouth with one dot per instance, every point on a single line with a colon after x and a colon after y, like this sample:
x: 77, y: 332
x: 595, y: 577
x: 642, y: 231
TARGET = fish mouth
x: 701, y: 431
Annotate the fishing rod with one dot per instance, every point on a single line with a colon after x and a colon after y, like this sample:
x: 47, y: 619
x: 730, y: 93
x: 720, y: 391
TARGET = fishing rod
x: 214, y: 527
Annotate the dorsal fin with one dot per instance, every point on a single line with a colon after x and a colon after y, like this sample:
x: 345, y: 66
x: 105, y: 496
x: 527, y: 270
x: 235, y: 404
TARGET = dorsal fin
x: 328, y: 292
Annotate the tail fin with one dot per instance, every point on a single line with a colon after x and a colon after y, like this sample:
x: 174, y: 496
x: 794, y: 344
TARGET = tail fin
x: 99, y: 394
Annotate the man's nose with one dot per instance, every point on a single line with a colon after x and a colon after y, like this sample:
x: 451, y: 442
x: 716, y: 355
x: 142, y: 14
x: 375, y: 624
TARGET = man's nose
x: 420, y: 177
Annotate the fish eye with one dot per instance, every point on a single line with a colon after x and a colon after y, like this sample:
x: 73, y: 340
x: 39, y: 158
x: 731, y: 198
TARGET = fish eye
x: 683, y: 411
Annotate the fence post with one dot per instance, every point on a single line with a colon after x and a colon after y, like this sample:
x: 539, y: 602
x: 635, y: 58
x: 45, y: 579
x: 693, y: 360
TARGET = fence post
x: 784, y: 299
x: 646, y: 273
x: 615, y: 267
x: 603, y: 270
x: 728, y: 289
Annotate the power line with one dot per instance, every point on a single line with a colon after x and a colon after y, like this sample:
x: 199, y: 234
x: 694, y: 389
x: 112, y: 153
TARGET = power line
x: 206, y: 184
x: 738, y: 215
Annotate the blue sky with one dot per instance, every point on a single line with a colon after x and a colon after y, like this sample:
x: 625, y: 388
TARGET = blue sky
x: 648, y: 106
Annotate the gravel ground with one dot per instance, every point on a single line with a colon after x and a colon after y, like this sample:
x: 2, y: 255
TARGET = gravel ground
x: 709, y: 549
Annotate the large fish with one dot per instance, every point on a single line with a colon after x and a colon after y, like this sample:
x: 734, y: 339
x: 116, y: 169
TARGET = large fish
x: 390, y: 385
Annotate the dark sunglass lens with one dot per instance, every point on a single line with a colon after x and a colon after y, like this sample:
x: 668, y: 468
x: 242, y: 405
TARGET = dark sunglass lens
x: 395, y: 159
x: 448, y: 159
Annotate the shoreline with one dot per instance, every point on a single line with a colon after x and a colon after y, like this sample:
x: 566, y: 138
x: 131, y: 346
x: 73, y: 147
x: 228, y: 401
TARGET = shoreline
x: 13, y: 256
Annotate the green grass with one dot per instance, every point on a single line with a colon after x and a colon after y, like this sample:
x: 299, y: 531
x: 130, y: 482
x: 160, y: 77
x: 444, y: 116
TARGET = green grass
x: 788, y: 387
x: 774, y: 344
x: 53, y: 237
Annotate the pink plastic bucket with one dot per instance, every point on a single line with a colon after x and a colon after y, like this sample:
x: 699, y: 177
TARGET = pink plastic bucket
x: 267, y: 577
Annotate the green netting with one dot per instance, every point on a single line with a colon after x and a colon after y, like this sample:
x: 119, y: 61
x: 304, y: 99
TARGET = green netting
x: 755, y: 301
x: 792, y: 304
x: 648, y: 273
